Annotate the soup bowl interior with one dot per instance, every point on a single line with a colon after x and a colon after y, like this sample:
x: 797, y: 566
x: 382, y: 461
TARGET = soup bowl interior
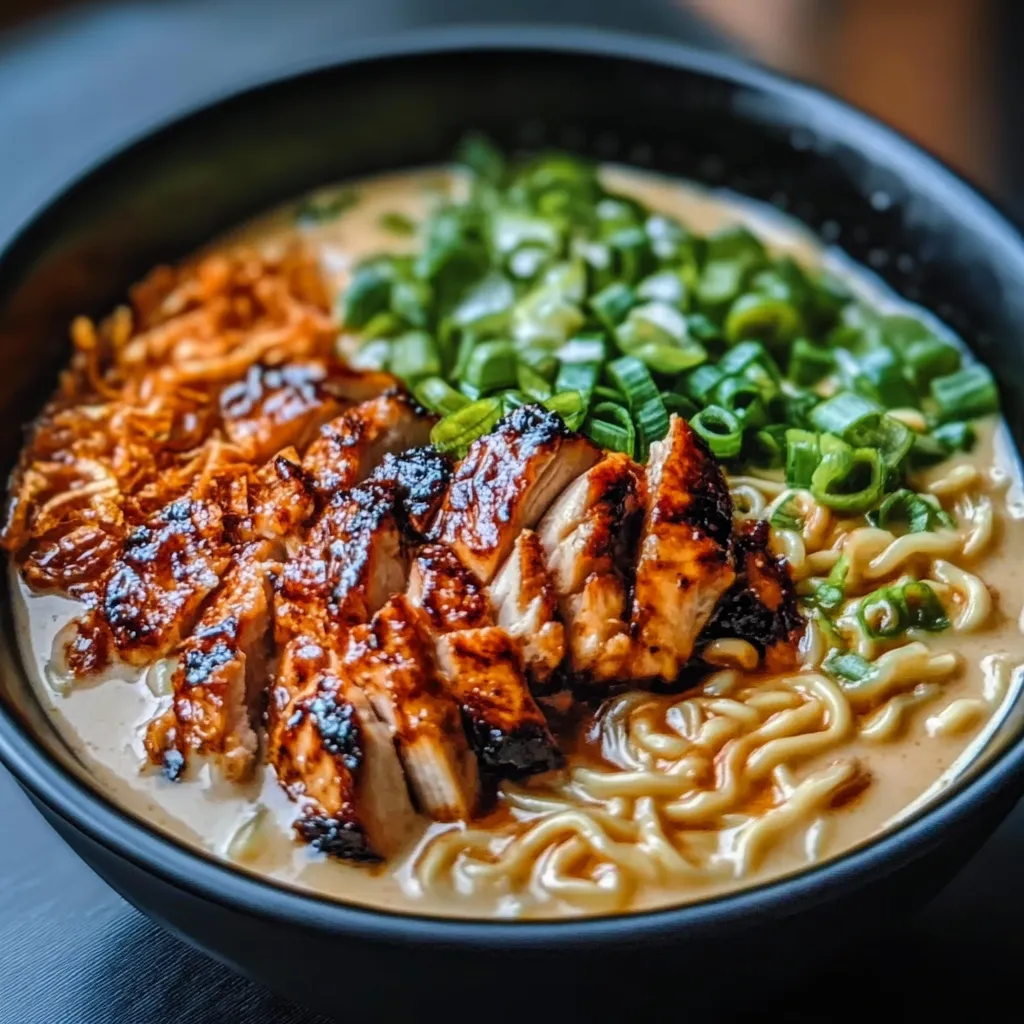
x: 857, y: 185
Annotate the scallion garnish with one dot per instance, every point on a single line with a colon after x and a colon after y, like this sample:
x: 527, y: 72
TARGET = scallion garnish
x: 538, y: 284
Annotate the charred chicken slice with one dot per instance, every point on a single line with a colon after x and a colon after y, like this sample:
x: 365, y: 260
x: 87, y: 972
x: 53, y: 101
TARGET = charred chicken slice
x: 448, y: 594
x: 222, y: 669
x: 420, y: 477
x: 284, y: 499
x: 761, y: 606
x: 393, y: 662
x: 589, y: 539
x: 505, y: 483
x: 483, y: 671
x: 152, y: 594
x: 349, y: 447
x: 352, y: 562
x: 337, y: 760
x: 527, y: 610
x: 275, y: 407
x: 683, y: 565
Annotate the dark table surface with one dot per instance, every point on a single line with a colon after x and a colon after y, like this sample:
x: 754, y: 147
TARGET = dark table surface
x: 70, y: 949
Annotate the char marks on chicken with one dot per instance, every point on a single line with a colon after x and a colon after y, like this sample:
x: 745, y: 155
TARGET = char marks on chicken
x: 151, y: 596
x: 392, y: 660
x: 683, y: 562
x: 505, y: 483
x: 420, y: 477
x: 348, y: 448
x: 761, y: 606
x: 336, y: 759
x: 219, y: 680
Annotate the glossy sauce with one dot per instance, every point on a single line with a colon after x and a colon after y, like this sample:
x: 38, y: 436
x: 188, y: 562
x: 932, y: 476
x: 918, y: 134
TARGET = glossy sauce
x: 104, y: 721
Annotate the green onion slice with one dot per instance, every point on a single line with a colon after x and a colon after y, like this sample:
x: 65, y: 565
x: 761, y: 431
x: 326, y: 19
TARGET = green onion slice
x: 720, y: 429
x: 457, y: 431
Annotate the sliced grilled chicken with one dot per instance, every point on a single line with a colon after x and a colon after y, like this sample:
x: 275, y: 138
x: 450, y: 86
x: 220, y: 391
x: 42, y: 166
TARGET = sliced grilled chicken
x: 421, y: 477
x: 483, y: 671
x: 393, y: 661
x: 284, y: 498
x: 352, y: 562
x: 761, y: 606
x: 274, y: 407
x: 221, y: 671
x: 527, y: 609
x: 349, y: 447
x: 449, y: 595
x: 505, y: 483
x: 152, y: 594
x: 337, y: 760
x: 683, y: 565
x: 589, y: 539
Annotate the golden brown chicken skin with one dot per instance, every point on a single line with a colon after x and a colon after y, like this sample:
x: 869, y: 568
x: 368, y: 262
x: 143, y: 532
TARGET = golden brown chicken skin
x: 220, y: 676
x: 683, y: 565
x: 347, y: 449
x: 336, y: 759
x: 761, y: 606
x: 392, y: 660
x: 505, y: 483
x: 151, y: 597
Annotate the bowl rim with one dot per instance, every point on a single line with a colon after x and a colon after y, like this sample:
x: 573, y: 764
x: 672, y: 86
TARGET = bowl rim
x: 214, y: 879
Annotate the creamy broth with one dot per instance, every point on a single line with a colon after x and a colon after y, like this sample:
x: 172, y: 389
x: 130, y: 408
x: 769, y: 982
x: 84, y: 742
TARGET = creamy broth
x: 910, y: 750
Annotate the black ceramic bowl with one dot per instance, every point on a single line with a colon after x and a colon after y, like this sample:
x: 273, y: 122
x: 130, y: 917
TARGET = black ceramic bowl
x: 856, y: 183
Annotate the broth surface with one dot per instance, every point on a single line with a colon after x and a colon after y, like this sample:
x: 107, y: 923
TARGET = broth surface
x: 104, y: 720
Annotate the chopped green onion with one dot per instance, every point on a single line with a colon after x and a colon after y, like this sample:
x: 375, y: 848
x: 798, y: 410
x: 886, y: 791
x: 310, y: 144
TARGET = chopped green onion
x: 763, y: 318
x: 831, y: 593
x: 397, y: 223
x: 666, y: 286
x: 787, y: 514
x: 457, y: 431
x: 720, y: 429
x: 581, y: 377
x: 921, y: 512
x: 570, y: 405
x: 610, y: 414
x: 414, y: 355
x: 701, y: 382
x: 324, y: 208
x: 439, y: 396
x: 368, y: 292
x: 651, y: 425
x: 849, y: 480
x: 966, y: 394
x: 923, y: 608
x: 533, y: 384
x: 678, y: 404
x: 881, y: 615
x: 808, y: 362
x: 956, y: 436
x: 611, y: 304
x: 584, y: 348
x: 741, y: 398
x: 880, y: 376
x: 803, y: 454
x: 633, y: 379
x: 849, y: 667
x: 491, y: 366
x: 843, y: 413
